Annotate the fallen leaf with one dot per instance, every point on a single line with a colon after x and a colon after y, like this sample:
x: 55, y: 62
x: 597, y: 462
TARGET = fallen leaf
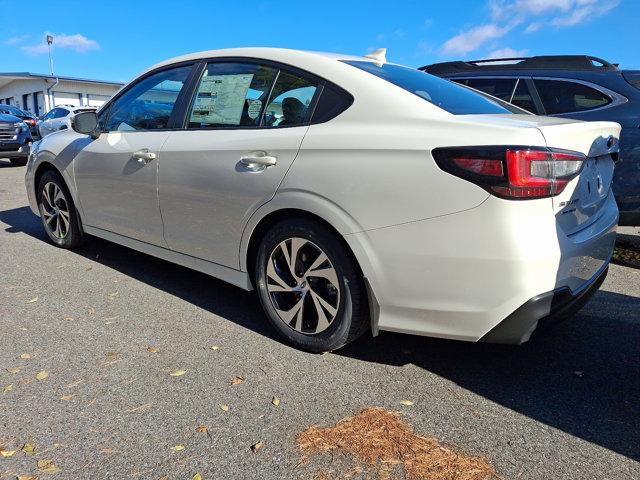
x: 88, y: 268
x: 236, y: 381
x: 215, y: 347
x: 406, y: 403
x: 177, y: 373
x: 113, y: 295
x: 33, y: 300
x: 28, y: 448
x: 197, y: 476
x: 42, y: 375
x: 91, y: 311
x: 25, y: 356
x: 178, y: 448
x: 8, y: 388
x: 6, y: 453
x: 26, y: 477
x: 68, y: 319
x: 202, y: 429
x: 152, y: 350
x: 256, y: 446
x: 275, y: 401
x: 223, y: 407
x: 66, y: 398
x: 112, y: 354
x: 47, y: 466
x: 13, y: 370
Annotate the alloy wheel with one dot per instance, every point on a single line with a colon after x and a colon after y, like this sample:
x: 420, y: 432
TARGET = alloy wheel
x: 55, y: 210
x: 303, y: 285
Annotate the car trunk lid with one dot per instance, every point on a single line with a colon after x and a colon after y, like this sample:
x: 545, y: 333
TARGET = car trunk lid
x: 580, y: 203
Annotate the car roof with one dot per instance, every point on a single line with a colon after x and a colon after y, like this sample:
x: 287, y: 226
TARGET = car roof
x: 585, y: 63
x: 284, y: 55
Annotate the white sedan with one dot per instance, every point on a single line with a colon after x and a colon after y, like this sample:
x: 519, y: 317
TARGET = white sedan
x: 353, y: 194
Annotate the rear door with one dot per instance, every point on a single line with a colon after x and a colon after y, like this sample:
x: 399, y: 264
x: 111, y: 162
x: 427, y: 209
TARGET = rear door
x: 243, y: 129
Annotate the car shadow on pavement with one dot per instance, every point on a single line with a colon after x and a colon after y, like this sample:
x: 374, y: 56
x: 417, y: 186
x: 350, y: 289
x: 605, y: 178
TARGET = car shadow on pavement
x: 581, y: 377
x: 204, y: 291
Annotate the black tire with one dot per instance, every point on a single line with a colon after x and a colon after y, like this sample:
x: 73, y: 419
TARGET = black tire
x: 351, y: 319
x: 70, y: 236
x: 18, y: 162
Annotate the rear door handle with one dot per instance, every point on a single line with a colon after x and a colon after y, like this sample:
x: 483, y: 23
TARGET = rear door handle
x: 144, y: 156
x: 258, y: 160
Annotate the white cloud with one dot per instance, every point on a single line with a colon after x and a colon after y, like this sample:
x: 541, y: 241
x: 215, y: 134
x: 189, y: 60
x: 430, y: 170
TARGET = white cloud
x: 473, y: 39
x: 78, y: 43
x: 16, y: 39
x: 533, y: 27
x: 507, y: 53
x: 586, y: 10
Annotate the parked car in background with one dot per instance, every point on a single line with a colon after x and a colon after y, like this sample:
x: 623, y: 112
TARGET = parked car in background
x: 15, y: 139
x: 59, y: 118
x: 568, y: 86
x: 353, y: 194
x: 27, y: 117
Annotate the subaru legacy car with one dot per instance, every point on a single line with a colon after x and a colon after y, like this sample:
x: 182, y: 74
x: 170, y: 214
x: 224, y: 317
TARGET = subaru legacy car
x: 568, y: 86
x: 15, y: 139
x: 353, y: 194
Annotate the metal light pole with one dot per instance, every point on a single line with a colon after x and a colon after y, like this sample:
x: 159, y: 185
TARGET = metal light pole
x: 49, y: 42
x: 49, y: 90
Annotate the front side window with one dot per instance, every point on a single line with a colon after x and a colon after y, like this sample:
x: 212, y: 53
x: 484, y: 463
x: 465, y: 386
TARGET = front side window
x: 496, y: 87
x: 560, y: 96
x: 231, y: 95
x: 441, y: 93
x: 148, y: 105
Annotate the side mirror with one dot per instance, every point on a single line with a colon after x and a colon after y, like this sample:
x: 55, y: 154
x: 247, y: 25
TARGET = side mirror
x: 87, y: 123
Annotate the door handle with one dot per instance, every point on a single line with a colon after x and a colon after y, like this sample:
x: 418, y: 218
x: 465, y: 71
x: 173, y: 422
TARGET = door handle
x: 144, y: 156
x: 258, y: 160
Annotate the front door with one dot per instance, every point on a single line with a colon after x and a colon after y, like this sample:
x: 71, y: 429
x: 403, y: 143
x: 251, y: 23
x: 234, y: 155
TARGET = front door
x: 243, y: 131
x: 117, y: 174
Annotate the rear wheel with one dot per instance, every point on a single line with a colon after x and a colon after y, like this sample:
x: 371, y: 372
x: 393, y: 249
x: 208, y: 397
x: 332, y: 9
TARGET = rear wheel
x: 310, y: 287
x: 57, y: 211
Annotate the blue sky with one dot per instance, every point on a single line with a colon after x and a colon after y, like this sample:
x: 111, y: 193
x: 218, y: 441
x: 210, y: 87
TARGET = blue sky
x: 116, y: 40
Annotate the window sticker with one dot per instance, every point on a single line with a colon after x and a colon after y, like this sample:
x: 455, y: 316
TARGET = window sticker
x: 221, y: 98
x: 254, y: 109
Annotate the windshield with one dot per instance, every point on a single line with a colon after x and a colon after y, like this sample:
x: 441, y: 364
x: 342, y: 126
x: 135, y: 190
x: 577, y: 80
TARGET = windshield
x: 444, y: 94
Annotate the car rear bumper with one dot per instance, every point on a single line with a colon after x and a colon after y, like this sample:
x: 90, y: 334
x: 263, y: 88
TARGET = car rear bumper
x: 542, y: 310
x: 461, y: 275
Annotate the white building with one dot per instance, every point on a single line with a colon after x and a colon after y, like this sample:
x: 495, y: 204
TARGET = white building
x: 40, y: 93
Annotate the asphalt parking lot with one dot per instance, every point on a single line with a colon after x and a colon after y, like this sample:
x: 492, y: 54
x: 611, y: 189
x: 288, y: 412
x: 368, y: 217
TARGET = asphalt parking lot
x: 110, y: 326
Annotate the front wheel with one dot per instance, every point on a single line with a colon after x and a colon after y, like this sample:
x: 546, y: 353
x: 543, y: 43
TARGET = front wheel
x: 310, y: 286
x: 57, y: 211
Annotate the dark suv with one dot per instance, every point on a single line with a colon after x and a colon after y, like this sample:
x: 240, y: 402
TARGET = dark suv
x: 15, y: 139
x: 29, y: 118
x: 572, y: 86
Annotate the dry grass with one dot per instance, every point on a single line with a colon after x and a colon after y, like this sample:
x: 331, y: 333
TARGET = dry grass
x: 381, y: 441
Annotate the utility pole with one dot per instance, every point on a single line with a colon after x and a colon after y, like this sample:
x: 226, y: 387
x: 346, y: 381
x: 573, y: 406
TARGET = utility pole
x: 49, y: 42
x: 49, y: 90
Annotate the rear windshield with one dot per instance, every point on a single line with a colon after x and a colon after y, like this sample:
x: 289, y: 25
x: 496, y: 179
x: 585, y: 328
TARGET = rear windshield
x: 444, y: 94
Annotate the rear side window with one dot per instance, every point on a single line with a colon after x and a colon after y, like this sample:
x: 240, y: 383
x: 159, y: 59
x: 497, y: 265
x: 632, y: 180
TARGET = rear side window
x: 333, y: 101
x: 290, y: 102
x: 559, y: 96
x: 497, y: 87
x: 60, y: 112
x: 231, y: 95
x: 441, y: 93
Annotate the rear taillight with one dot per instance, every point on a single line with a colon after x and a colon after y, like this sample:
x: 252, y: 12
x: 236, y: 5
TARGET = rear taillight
x: 512, y: 172
x: 30, y: 121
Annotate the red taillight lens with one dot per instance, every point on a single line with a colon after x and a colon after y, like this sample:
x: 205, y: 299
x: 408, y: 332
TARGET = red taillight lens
x: 30, y: 121
x: 512, y: 172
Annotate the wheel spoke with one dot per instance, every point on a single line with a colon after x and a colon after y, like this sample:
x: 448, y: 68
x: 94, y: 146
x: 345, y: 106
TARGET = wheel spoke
x: 318, y: 302
x: 287, y: 315
x: 65, y: 221
x: 57, y: 194
x: 45, y: 195
x: 51, y: 219
x: 296, y: 244
x: 56, y: 231
x: 273, y: 275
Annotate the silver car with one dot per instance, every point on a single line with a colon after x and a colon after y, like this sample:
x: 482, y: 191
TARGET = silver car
x: 59, y: 118
x: 353, y: 194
